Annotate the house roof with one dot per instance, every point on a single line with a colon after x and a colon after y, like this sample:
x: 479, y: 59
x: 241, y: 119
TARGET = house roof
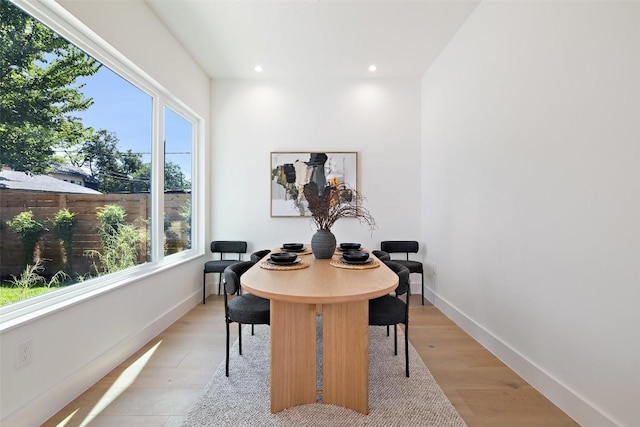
x: 13, y: 180
x: 73, y: 171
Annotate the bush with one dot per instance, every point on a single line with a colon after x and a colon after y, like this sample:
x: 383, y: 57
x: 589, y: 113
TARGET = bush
x: 111, y: 217
x: 64, y: 224
x: 29, y: 230
x: 120, y: 241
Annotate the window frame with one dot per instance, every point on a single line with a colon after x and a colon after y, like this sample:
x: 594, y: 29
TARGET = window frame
x: 68, y: 26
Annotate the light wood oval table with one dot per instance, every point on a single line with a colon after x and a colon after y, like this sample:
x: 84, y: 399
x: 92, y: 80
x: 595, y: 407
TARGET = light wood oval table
x: 297, y: 296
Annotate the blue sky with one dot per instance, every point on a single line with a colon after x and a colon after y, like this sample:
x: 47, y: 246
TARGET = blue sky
x: 126, y: 111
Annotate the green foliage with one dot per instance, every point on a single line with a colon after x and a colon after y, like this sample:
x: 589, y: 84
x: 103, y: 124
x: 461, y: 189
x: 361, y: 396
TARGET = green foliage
x: 119, y: 250
x: 64, y: 224
x: 31, y: 278
x: 111, y: 218
x: 38, y: 70
x: 116, y: 171
x: 121, y: 242
x: 176, y: 241
x: 10, y: 294
x: 186, y: 214
x: 29, y: 230
x: 174, y: 179
x: 172, y: 242
x: 39, y: 92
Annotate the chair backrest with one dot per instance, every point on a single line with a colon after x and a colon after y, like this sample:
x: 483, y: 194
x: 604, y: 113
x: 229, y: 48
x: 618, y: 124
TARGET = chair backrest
x: 399, y: 246
x: 232, y: 276
x: 258, y: 255
x: 229, y: 247
x: 403, y: 277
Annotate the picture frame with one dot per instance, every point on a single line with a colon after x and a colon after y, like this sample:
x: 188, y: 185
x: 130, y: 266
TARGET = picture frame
x: 290, y: 170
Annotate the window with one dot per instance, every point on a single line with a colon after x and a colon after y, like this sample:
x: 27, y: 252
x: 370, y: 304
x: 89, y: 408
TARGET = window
x: 65, y: 112
x: 178, y: 134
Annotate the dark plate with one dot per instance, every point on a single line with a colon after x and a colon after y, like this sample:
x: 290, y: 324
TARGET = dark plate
x: 350, y: 246
x: 355, y: 255
x: 294, y: 262
x: 292, y: 250
x: 283, y: 257
x: 294, y: 247
x: 366, y: 261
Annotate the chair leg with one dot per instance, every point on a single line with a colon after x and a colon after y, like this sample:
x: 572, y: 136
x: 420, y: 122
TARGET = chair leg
x: 239, y: 338
x: 395, y: 340
x: 422, y: 295
x: 204, y: 287
x: 227, y: 358
x: 252, y: 329
x: 219, y: 282
x: 387, y: 330
x: 406, y: 348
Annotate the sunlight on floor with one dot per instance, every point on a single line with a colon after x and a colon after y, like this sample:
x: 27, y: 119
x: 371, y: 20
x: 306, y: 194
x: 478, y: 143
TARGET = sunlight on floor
x: 119, y: 386
x: 69, y: 418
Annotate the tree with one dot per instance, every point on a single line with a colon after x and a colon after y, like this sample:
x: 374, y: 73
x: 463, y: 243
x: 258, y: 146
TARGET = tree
x: 174, y: 179
x: 119, y: 171
x: 38, y: 69
x: 107, y: 164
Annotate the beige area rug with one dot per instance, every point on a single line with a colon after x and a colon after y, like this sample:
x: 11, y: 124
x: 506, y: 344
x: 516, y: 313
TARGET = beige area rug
x: 242, y: 399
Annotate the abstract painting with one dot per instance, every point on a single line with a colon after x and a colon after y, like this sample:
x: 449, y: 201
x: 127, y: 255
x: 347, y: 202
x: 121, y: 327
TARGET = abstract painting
x: 290, y: 171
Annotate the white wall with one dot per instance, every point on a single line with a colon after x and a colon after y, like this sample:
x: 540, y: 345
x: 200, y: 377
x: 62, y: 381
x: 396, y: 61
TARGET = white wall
x: 378, y: 118
x: 75, y: 346
x: 530, y: 187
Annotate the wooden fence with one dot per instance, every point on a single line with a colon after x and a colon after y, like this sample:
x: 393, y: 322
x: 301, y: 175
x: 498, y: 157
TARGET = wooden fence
x: 45, y: 206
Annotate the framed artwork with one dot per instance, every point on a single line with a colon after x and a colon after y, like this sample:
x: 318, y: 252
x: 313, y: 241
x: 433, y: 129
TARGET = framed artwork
x: 290, y: 171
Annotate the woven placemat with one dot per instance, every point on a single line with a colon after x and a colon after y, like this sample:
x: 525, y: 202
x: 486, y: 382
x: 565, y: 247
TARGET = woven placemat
x: 267, y: 264
x: 341, y: 264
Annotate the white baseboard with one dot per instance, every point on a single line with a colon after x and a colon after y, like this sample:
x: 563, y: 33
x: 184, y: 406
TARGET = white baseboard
x: 49, y: 402
x: 586, y: 414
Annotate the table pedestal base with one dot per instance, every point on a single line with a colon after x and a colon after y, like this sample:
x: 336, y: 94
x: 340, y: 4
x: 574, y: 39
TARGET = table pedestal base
x: 345, y: 355
x: 293, y: 355
x: 345, y: 342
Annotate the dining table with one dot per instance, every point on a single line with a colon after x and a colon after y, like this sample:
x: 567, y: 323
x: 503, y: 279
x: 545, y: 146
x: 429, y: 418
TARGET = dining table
x: 309, y: 291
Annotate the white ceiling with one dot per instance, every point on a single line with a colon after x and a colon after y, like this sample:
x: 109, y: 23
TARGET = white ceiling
x: 307, y: 38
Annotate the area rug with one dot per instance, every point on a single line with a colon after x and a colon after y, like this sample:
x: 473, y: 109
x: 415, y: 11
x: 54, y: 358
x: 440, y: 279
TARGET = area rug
x: 242, y: 399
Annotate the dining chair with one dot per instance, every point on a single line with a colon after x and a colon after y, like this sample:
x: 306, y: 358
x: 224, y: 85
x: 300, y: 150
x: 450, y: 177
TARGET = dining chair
x: 225, y: 248
x: 381, y: 255
x: 258, y: 255
x: 389, y: 310
x: 406, y: 247
x: 242, y: 308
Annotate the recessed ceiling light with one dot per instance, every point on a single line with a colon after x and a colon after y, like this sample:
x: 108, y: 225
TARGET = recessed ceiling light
x: 258, y: 68
x: 372, y: 68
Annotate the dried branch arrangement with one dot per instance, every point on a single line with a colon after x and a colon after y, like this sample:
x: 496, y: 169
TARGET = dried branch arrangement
x: 335, y: 202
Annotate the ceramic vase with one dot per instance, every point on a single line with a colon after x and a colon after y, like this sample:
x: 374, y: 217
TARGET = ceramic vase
x: 323, y: 244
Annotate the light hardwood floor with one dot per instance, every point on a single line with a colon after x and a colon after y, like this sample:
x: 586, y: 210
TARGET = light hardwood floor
x: 160, y: 383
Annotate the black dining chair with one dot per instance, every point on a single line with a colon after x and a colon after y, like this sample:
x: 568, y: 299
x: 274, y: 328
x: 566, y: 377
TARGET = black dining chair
x: 406, y: 247
x: 242, y: 308
x: 390, y: 310
x: 226, y: 249
x: 258, y: 255
x: 381, y: 255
